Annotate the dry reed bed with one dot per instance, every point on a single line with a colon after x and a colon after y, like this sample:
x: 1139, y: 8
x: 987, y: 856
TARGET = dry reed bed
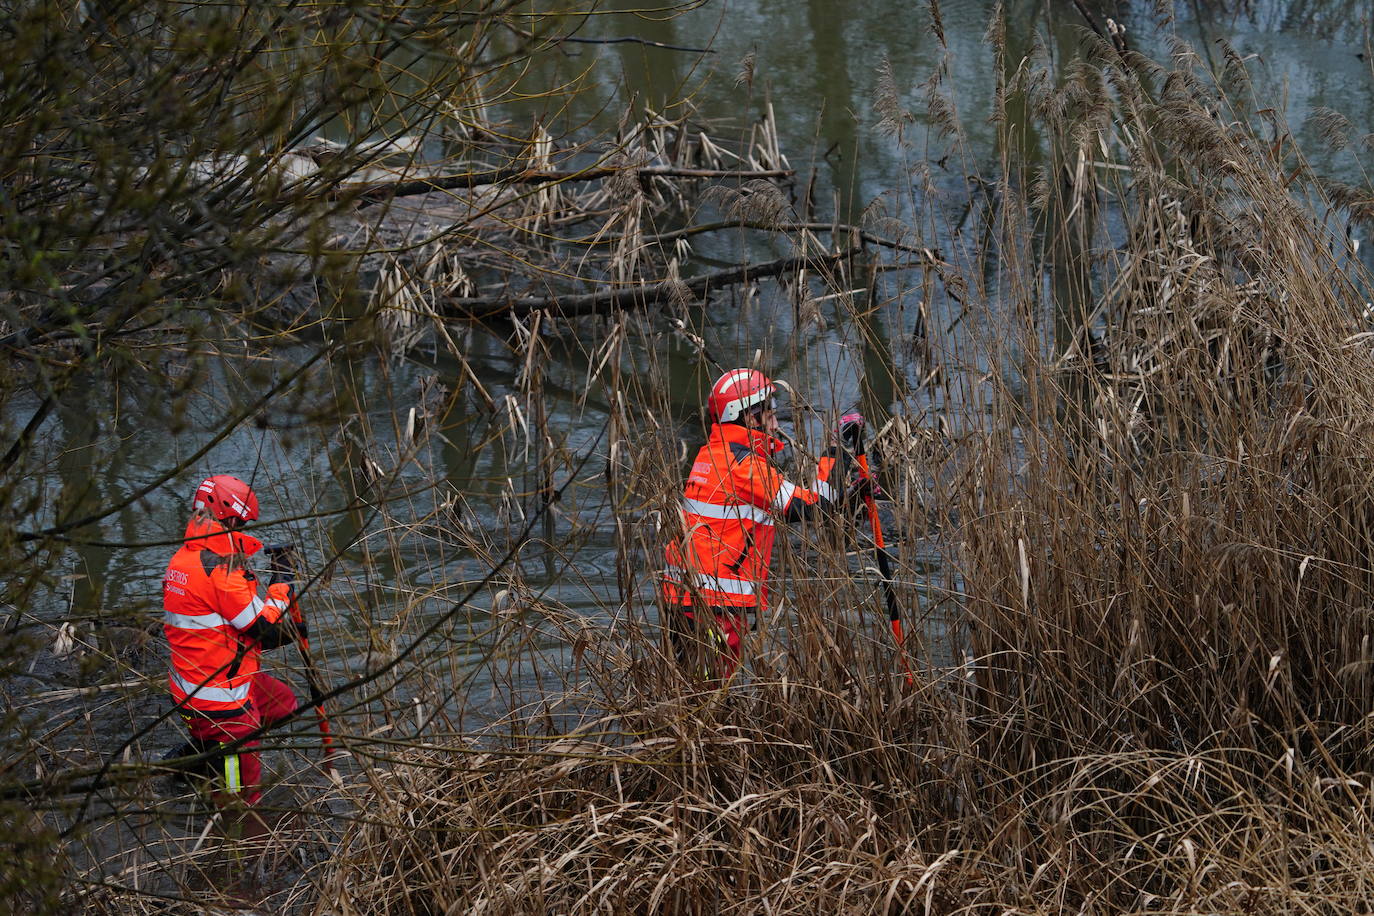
x: 738, y: 813
x: 1160, y: 523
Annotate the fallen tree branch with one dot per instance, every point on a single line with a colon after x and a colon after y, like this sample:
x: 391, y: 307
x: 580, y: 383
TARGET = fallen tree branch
x: 702, y: 228
x: 375, y: 193
x: 632, y: 297
x: 73, y: 692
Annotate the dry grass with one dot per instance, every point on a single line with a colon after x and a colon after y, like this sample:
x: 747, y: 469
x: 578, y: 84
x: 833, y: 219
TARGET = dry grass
x: 1147, y: 682
x: 1133, y: 514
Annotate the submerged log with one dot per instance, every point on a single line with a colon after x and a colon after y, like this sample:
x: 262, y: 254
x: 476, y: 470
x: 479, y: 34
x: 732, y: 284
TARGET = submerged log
x: 638, y: 296
x: 523, y: 175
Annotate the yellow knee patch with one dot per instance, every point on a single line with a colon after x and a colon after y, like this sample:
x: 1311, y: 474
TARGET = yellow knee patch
x: 233, y: 780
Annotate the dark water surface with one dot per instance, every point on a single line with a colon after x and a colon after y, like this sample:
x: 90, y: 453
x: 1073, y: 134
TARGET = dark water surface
x: 817, y: 64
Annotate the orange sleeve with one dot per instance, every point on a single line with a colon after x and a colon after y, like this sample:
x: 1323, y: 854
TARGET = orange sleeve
x: 239, y: 602
x: 281, y: 599
x: 760, y: 484
x: 755, y: 481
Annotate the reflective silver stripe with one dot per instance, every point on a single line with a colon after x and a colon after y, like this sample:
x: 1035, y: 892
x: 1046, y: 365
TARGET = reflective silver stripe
x: 214, y: 694
x: 784, y: 495
x: 731, y: 513
x: 278, y: 603
x: 250, y: 613
x: 208, y: 621
x: 825, y: 490
x: 729, y: 586
x: 713, y: 583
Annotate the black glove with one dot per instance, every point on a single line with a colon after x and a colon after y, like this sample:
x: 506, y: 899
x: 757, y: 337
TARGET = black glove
x: 850, y: 432
x: 281, y: 559
x: 302, y: 631
x: 273, y: 635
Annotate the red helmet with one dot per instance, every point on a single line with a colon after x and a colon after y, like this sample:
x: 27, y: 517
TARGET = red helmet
x: 735, y: 392
x: 227, y: 497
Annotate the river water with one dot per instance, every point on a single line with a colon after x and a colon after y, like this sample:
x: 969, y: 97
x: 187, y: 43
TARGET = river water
x: 817, y: 63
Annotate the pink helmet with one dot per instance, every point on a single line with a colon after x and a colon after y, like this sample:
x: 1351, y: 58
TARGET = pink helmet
x: 735, y: 392
x: 227, y: 497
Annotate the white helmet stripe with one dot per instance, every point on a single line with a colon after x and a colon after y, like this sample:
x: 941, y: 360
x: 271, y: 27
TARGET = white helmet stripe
x: 738, y: 375
x: 736, y: 391
x: 734, y: 408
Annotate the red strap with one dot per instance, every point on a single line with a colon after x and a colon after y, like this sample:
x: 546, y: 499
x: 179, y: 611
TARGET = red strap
x: 866, y: 474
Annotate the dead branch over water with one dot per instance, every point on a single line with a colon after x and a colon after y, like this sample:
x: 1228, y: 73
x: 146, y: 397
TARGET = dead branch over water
x: 634, y: 297
x: 385, y: 191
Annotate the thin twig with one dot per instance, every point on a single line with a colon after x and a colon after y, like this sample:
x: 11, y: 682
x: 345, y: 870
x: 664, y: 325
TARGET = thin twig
x: 637, y: 41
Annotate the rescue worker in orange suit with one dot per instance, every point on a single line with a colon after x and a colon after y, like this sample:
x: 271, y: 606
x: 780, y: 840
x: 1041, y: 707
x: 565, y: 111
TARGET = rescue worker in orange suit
x: 734, y: 494
x: 217, y: 627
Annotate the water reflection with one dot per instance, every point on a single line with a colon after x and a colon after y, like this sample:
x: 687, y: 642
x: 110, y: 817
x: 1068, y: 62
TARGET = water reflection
x: 817, y: 64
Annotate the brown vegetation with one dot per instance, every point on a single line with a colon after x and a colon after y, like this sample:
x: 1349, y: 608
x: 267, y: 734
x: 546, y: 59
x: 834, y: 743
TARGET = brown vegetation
x: 1131, y: 508
x: 1146, y: 683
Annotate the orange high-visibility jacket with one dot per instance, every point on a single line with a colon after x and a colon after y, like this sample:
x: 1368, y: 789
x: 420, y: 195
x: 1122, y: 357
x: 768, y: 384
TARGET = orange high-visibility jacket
x: 207, y: 607
x: 732, y: 496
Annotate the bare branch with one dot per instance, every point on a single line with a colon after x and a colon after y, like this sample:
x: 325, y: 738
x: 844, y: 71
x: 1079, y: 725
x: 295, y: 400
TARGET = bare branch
x: 638, y: 41
x: 384, y: 191
x: 633, y: 297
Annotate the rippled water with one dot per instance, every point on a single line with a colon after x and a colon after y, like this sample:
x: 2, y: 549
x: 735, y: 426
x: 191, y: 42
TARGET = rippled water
x: 817, y: 64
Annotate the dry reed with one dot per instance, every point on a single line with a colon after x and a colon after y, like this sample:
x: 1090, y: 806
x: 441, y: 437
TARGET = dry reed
x: 1144, y: 678
x: 1133, y: 512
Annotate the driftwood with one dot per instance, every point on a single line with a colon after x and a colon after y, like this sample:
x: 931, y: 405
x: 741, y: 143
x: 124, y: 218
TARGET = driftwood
x: 375, y: 193
x: 640, y: 296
